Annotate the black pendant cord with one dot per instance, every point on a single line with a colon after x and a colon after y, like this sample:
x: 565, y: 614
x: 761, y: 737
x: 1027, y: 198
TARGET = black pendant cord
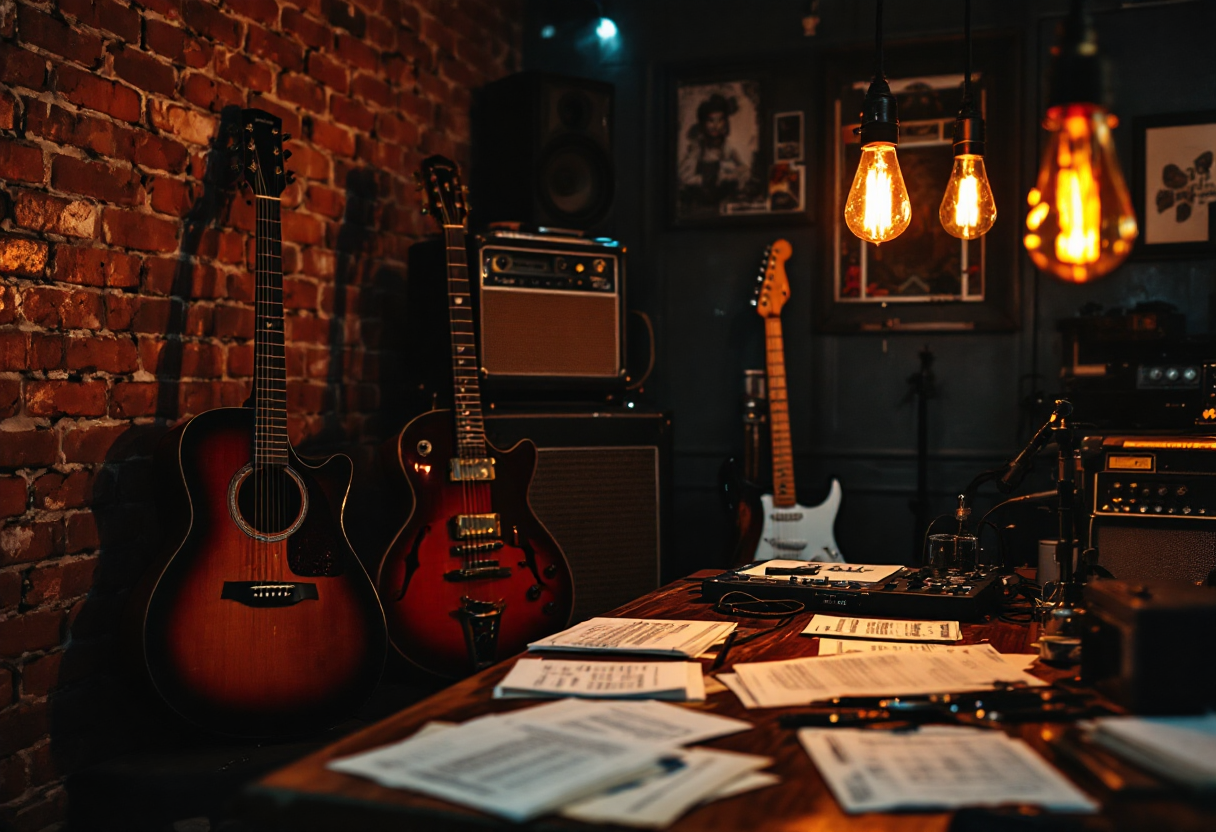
x: 879, y: 69
x: 969, y: 124
x: 879, y: 109
x: 967, y: 36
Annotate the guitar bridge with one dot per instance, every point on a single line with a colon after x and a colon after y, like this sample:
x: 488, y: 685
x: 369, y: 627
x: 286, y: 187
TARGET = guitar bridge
x: 480, y: 619
x: 268, y: 593
x: 475, y: 525
x: 472, y: 470
x: 478, y: 570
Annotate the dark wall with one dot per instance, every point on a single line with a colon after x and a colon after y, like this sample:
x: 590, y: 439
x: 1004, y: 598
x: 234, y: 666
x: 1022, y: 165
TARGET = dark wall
x: 849, y: 407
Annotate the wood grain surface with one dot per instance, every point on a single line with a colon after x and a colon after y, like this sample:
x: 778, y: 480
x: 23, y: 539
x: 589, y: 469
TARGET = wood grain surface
x: 307, y: 796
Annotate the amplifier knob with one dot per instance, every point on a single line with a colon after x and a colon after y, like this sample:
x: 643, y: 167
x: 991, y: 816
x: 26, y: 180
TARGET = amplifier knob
x: 1203, y: 511
x: 1186, y: 509
x: 533, y: 592
x: 1157, y: 509
x: 1162, y: 490
x: 1181, y: 491
x: 1190, y: 374
x: 599, y: 265
x: 1117, y: 485
x: 501, y: 263
x: 1144, y: 509
x: 1155, y: 374
x: 560, y: 264
x: 1171, y: 374
x: 1169, y: 511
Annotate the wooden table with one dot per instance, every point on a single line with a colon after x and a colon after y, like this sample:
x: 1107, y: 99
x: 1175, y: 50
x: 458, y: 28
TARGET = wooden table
x: 307, y: 796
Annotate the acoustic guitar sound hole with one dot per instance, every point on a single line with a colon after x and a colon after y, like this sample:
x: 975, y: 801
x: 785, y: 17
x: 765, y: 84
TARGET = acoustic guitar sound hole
x: 267, y: 502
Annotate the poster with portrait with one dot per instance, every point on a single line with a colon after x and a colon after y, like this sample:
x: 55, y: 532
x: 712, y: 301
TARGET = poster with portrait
x: 718, y: 159
x: 1175, y: 185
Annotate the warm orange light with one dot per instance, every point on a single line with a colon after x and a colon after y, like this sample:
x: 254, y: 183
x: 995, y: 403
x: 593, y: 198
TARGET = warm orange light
x: 1080, y: 225
x: 968, y: 209
x: 878, y: 208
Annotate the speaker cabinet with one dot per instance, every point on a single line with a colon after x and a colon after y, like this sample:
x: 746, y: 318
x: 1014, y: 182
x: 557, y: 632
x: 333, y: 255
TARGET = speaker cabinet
x: 542, y: 152
x: 1136, y: 550
x: 601, y: 489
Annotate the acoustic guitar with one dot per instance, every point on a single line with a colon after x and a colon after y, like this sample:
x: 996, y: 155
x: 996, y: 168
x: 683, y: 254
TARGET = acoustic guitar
x: 473, y: 575
x: 778, y: 527
x: 258, y: 619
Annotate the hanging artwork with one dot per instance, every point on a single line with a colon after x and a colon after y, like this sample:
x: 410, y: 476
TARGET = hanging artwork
x: 1175, y: 185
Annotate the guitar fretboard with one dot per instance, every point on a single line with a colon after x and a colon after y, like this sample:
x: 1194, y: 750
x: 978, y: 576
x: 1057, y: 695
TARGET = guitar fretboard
x: 784, y: 494
x: 270, y: 366
x: 470, y: 429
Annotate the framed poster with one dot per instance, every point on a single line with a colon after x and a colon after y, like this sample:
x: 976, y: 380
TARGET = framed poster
x: 732, y: 161
x: 1174, y: 186
x: 925, y: 279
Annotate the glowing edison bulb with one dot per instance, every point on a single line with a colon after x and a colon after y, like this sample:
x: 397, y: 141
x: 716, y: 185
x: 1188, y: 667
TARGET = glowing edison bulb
x: 1081, y: 224
x: 878, y: 208
x: 968, y: 210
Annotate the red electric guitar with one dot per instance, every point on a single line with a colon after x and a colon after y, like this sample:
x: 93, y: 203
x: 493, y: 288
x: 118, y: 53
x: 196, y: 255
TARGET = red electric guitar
x: 473, y: 575
x: 258, y: 618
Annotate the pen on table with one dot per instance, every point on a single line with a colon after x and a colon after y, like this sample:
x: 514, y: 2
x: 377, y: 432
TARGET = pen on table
x: 726, y: 645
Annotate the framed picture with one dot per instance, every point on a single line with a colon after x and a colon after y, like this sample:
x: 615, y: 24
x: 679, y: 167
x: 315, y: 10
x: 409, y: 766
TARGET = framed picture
x: 925, y: 279
x: 728, y: 166
x: 1174, y: 186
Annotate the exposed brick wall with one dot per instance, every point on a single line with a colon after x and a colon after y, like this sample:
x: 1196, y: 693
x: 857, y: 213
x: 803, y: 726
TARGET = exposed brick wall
x: 125, y: 295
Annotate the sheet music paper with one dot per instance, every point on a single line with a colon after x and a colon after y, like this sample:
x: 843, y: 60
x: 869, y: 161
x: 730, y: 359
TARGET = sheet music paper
x: 657, y: 801
x: 860, y: 572
x: 802, y: 681
x: 507, y: 767
x: 937, y: 767
x: 890, y: 629
x: 531, y: 678
x: 738, y: 688
x: 647, y: 720
x: 639, y: 635
x: 829, y: 646
x: 1180, y: 748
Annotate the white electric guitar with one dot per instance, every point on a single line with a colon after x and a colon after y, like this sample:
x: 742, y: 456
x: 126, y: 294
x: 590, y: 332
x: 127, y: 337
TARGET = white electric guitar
x: 790, y: 531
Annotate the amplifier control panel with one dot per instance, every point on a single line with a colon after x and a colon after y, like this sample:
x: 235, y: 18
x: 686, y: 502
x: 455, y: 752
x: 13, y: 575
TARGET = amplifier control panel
x: 525, y: 268
x: 1155, y: 494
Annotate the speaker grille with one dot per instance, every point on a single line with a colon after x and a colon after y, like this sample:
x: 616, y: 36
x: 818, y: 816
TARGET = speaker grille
x: 602, y: 507
x: 1135, y: 553
x: 540, y: 333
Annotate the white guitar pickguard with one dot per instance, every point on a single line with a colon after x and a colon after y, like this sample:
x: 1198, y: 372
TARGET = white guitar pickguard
x: 800, y: 533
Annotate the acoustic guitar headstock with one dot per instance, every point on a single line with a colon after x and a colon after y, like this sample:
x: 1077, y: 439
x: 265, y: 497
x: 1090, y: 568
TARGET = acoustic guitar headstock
x: 258, y: 157
x: 773, y: 287
x: 446, y: 195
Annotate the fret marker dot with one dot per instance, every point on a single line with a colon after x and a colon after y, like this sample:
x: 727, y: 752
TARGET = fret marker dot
x: 459, y: 301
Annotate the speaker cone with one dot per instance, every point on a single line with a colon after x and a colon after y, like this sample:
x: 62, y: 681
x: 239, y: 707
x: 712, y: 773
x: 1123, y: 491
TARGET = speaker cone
x: 574, y: 180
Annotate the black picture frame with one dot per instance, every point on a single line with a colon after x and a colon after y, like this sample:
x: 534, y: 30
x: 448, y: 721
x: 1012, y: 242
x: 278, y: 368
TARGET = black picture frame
x: 997, y: 85
x: 777, y: 192
x: 1171, y: 195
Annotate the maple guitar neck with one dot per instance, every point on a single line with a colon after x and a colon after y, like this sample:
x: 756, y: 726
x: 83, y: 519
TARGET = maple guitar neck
x: 779, y: 415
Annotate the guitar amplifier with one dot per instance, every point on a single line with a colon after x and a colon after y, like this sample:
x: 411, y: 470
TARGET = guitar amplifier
x: 602, y: 490
x: 1152, y: 502
x: 550, y: 313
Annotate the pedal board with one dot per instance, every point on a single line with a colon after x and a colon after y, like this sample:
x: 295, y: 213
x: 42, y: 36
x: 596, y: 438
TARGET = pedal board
x: 864, y: 589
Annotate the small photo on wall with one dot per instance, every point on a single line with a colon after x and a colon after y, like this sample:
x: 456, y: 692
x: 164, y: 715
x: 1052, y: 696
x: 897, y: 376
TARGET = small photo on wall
x: 787, y: 137
x: 786, y: 187
x: 1176, y: 185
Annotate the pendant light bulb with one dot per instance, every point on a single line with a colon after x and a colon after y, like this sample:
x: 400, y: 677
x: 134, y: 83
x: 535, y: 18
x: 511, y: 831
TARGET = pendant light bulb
x: 968, y: 209
x: 1080, y: 224
x: 878, y: 208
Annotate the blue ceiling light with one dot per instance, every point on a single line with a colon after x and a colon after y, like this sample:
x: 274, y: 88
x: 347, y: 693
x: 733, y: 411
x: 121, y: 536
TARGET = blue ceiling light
x: 606, y: 29
x: 548, y: 31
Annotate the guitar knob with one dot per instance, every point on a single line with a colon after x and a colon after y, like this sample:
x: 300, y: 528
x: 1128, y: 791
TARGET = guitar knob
x: 550, y: 570
x: 533, y: 592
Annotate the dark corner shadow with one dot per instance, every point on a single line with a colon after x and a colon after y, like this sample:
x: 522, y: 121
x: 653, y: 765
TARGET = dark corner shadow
x: 104, y: 717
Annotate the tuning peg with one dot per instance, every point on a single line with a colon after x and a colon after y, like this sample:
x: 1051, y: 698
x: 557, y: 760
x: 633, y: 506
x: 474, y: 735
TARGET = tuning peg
x: 425, y: 210
x: 286, y: 137
x: 286, y: 155
x: 291, y: 177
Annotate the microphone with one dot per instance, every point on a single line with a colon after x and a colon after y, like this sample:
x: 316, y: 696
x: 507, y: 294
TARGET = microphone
x: 1021, y: 463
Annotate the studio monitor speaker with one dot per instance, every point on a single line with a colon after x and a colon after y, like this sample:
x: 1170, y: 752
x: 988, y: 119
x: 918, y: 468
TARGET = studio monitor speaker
x: 542, y: 152
x: 601, y: 490
x: 1136, y: 549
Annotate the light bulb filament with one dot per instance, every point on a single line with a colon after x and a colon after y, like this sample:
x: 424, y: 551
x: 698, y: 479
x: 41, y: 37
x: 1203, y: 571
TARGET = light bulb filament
x: 878, y: 200
x: 967, y: 209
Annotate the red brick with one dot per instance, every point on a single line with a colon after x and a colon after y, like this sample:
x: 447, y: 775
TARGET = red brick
x: 328, y: 201
x: 21, y: 255
x: 96, y: 267
x: 392, y: 128
x: 152, y: 151
x: 120, y: 186
x: 135, y: 398
x: 233, y: 322
x: 263, y: 11
x: 303, y: 91
x: 22, y: 162
x: 54, y: 308
x: 240, y: 360
x: 8, y: 304
x: 45, y: 351
x: 155, y: 315
x: 81, y: 534
x: 13, y: 491
x: 30, y: 542
x: 22, y: 726
x: 90, y: 443
x: 275, y: 48
x: 301, y: 228
x: 329, y: 72
x: 172, y: 196
x: 55, y: 491
x: 42, y: 212
x: 33, y: 448
x: 212, y: 94
x: 139, y: 231
x: 110, y: 355
x: 189, y: 125
x: 22, y: 68
x: 210, y: 22
x: 9, y: 112
x: 333, y: 138
x: 244, y: 72
x: 351, y: 113
x: 65, y: 398
x: 354, y: 51
x: 6, y: 699
x: 312, y: 32
x: 371, y: 88
x: 85, y: 89
x: 55, y: 36
x: 79, y: 130
x: 120, y: 311
x: 14, y: 350
x: 38, y: 675
x: 171, y: 9
x: 202, y: 360
x: 141, y: 70
x: 105, y: 14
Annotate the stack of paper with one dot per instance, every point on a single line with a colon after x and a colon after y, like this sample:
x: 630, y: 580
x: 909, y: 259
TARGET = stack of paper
x: 611, y: 762
x: 1178, y: 748
x: 887, y: 673
x: 896, y: 629
x: 836, y: 646
x: 652, y: 636
x: 938, y: 767
x: 541, y: 678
